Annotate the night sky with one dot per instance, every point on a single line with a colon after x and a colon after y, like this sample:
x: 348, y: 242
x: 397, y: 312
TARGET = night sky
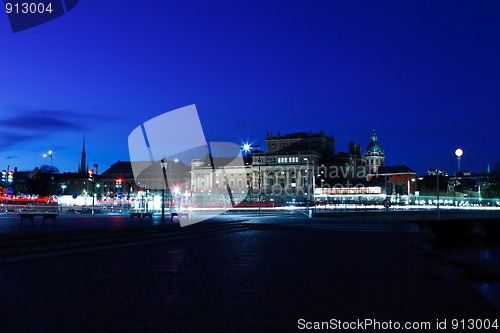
x: 425, y: 75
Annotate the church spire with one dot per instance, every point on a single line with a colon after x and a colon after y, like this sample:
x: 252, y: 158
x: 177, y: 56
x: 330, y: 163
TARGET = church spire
x: 373, y: 137
x: 83, y: 163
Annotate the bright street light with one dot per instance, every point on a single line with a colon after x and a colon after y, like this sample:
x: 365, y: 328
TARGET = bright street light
x: 49, y: 154
x: 459, y: 152
x: 247, y: 147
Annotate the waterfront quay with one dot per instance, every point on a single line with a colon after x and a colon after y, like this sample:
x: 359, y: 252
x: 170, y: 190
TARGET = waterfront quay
x: 239, y: 272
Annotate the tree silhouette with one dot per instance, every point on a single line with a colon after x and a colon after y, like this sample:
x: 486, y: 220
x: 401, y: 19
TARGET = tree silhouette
x: 41, y: 182
x: 48, y: 169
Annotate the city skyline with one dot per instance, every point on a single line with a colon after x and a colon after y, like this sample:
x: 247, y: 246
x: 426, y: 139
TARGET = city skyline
x: 246, y: 148
x: 425, y: 76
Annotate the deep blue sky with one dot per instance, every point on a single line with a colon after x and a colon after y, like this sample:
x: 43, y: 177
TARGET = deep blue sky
x: 426, y: 75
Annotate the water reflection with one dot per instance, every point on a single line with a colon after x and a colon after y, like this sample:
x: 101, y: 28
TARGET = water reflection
x: 485, y: 254
x: 490, y: 290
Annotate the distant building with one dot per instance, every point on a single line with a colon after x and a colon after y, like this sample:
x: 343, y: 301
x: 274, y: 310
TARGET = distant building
x: 374, y: 154
x: 352, y: 158
x: 120, y: 178
x: 287, y: 168
x: 301, y: 142
x: 398, y: 179
x: 468, y: 184
x: 463, y: 184
x: 70, y: 183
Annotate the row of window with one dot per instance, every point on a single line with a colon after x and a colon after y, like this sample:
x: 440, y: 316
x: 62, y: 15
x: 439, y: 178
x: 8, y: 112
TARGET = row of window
x: 231, y: 184
x: 293, y: 159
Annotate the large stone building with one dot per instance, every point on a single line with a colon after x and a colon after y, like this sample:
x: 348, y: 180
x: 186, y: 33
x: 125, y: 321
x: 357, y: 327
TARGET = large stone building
x: 301, y: 142
x: 218, y: 181
x: 285, y: 172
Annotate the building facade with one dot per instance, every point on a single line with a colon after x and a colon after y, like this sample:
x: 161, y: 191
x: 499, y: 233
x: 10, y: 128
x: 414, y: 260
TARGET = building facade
x: 374, y: 154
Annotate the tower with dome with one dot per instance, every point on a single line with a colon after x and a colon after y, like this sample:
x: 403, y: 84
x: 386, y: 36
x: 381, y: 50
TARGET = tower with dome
x: 374, y: 154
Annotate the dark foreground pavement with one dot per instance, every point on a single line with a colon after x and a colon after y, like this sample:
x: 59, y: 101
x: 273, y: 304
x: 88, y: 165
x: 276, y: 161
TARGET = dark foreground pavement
x: 249, y: 281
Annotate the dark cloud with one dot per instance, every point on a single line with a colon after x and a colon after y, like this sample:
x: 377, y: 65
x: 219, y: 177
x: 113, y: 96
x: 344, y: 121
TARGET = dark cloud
x: 12, y: 139
x: 41, y: 122
x: 12, y: 157
x: 46, y: 121
x: 22, y: 127
x: 66, y: 114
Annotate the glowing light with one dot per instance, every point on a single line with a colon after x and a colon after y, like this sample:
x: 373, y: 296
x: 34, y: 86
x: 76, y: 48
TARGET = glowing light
x: 246, y: 147
x: 459, y: 152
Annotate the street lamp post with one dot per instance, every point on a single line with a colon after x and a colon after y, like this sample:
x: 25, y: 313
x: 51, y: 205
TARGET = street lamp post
x: 94, y: 180
x: 163, y: 167
x: 247, y: 147
x: 313, y: 179
x: 96, y: 166
x: 49, y: 154
x: 259, y: 182
x: 459, y: 152
x: 45, y: 155
x: 93, y: 195
x: 438, y: 213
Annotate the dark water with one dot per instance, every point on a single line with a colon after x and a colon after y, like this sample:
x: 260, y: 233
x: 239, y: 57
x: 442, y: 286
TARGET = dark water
x: 490, y: 290
x: 253, y: 281
x: 479, y: 252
